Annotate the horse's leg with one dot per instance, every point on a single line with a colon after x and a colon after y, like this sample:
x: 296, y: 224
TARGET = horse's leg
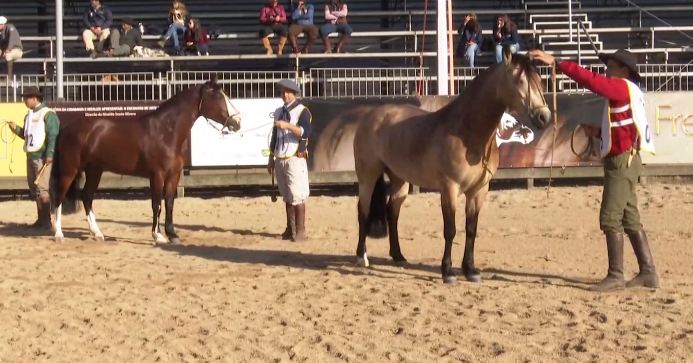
x: 64, y: 183
x: 367, y: 182
x: 448, y: 202
x: 399, y: 189
x: 156, y: 185
x: 93, y: 176
x: 169, y: 196
x: 474, y: 203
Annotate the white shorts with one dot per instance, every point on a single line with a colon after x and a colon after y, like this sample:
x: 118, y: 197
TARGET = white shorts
x: 292, y: 179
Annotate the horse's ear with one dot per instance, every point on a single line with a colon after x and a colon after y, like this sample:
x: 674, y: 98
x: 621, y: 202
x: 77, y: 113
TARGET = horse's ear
x: 213, y: 79
x: 507, y: 54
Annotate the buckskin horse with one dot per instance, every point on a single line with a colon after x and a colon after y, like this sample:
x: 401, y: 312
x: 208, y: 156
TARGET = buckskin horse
x: 151, y: 146
x: 452, y: 150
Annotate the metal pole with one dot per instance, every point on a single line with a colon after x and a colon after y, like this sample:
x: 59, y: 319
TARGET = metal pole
x: 450, y: 49
x: 570, y: 19
x: 59, y: 47
x: 442, y: 51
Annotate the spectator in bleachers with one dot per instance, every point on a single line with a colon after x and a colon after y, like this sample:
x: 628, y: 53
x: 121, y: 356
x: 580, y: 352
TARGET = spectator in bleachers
x: 505, y: 33
x: 273, y: 20
x: 335, y: 22
x: 97, y: 20
x: 472, y: 39
x: 178, y: 16
x: 123, y: 44
x: 302, y: 18
x: 10, y: 44
x: 196, y: 38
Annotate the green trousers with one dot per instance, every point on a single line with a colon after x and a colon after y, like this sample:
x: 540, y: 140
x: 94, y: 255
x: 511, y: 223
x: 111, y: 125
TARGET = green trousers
x: 619, y: 209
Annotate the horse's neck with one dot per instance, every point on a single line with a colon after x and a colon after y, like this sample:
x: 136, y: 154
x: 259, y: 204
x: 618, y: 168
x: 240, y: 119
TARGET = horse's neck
x: 475, y: 119
x: 178, y: 121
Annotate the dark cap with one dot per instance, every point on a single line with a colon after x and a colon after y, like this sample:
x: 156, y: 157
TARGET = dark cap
x: 624, y: 57
x: 32, y: 91
x: 128, y: 21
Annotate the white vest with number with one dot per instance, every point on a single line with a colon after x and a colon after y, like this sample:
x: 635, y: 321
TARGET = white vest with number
x: 644, y: 141
x: 35, y: 129
x: 287, y: 141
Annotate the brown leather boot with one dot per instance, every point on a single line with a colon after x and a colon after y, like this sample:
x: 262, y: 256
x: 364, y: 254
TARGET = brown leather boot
x: 326, y: 43
x: 647, y: 277
x: 309, y: 43
x: 294, y: 45
x: 39, y: 214
x: 614, y: 279
x: 266, y: 44
x: 290, y: 230
x: 280, y: 46
x: 340, y: 43
x: 300, y: 223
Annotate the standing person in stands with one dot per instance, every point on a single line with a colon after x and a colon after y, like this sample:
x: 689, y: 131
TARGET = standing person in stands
x: 10, y: 45
x: 302, y: 18
x: 40, y: 133
x: 178, y: 16
x: 624, y: 132
x: 289, y: 145
x: 335, y: 22
x: 273, y: 20
x: 505, y: 33
x: 196, y: 38
x: 123, y: 44
x: 97, y: 20
x: 472, y: 38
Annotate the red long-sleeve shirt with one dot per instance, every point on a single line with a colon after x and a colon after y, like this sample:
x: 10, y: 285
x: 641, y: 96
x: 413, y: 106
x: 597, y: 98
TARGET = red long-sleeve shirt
x: 614, y: 90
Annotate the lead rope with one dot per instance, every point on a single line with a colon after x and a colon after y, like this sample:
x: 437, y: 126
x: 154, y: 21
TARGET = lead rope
x: 10, y: 144
x: 555, y: 125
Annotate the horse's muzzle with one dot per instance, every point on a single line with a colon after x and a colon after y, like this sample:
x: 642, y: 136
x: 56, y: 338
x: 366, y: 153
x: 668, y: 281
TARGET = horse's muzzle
x: 234, y: 123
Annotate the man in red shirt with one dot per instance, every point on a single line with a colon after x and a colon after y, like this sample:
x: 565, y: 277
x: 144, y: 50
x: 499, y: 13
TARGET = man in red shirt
x: 624, y: 132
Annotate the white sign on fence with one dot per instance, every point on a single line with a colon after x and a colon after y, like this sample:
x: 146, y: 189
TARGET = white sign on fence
x: 247, y: 147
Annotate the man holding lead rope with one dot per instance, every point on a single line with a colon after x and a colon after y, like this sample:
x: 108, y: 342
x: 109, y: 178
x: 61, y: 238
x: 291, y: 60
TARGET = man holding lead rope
x: 40, y: 132
x: 624, y: 132
x: 289, y: 145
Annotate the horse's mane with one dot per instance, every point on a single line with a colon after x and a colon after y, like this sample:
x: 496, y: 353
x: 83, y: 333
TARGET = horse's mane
x: 493, y: 76
x: 180, y: 98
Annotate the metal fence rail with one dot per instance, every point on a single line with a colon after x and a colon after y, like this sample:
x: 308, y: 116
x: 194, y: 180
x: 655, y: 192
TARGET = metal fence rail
x: 315, y: 82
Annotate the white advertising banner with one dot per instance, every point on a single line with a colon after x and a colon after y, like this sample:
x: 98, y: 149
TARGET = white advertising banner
x: 247, y: 147
x: 670, y: 116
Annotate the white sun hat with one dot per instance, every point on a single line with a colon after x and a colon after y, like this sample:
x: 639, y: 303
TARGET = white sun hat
x: 3, y: 20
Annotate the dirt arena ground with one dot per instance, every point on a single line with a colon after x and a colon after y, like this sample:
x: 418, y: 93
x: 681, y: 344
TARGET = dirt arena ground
x: 235, y: 293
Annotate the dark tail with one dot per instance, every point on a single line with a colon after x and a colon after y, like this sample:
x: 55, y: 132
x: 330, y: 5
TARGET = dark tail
x: 71, y: 203
x: 376, y: 224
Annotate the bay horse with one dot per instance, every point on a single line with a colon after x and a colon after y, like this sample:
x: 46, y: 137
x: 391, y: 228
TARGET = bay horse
x: 151, y: 146
x: 452, y: 150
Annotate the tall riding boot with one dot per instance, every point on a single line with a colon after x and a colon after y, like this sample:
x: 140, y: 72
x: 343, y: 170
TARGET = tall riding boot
x: 290, y: 230
x: 280, y: 46
x: 614, y: 279
x: 647, y: 277
x: 39, y: 215
x: 294, y: 44
x: 266, y: 44
x: 46, y: 212
x: 326, y: 43
x: 309, y: 43
x: 340, y: 43
x: 300, y: 223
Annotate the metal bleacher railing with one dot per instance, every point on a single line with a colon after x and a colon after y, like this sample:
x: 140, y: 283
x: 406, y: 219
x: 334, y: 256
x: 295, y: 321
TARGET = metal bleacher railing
x: 315, y: 82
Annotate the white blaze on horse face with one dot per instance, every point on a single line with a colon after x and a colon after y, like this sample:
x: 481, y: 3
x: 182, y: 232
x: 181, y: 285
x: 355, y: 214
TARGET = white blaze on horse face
x: 59, y: 237
x: 232, y: 111
x: 93, y: 227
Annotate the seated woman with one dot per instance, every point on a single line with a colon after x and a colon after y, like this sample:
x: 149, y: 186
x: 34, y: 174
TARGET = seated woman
x: 196, y: 39
x: 505, y: 33
x: 178, y: 16
x: 335, y: 22
x: 472, y: 39
x: 273, y: 20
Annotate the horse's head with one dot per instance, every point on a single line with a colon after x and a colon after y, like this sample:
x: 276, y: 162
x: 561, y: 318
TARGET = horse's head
x: 524, y: 88
x: 215, y: 105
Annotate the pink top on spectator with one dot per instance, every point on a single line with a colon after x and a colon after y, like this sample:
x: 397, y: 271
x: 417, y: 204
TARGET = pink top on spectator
x: 332, y: 16
x: 268, y: 13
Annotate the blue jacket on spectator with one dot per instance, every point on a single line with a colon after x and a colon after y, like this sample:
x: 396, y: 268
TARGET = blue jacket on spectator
x: 101, y: 17
x: 507, y: 37
x: 303, y: 19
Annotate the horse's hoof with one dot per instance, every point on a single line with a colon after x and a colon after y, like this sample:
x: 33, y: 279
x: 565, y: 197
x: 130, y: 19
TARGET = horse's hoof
x: 59, y: 239
x: 100, y: 238
x: 448, y: 280
x: 158, y: 238
x: 174, y: 241
x: 476, y: 278
x: 362, y: 261
x: 399, y: 259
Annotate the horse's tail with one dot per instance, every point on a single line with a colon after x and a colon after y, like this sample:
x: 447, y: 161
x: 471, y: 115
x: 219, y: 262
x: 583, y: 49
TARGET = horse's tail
x: 71, y: 203
x: 376, y: 223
